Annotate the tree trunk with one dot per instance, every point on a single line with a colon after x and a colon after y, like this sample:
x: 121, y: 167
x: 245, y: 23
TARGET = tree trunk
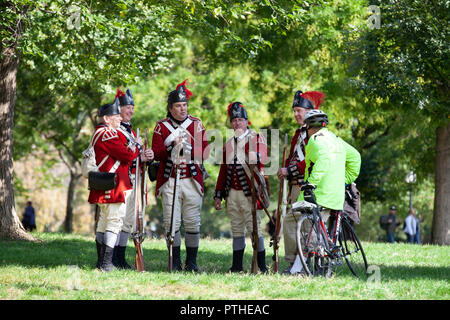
x: 68, y: 222
x: 441, y: 218
x: 10, y: 225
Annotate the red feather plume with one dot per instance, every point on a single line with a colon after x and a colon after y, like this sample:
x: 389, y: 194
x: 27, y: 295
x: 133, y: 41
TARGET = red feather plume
x: 119, y: 93
x: 316, y: 97
x: 188, y: 93
x: 228, y: 109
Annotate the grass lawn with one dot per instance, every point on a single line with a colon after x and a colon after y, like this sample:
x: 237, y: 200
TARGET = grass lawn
x: 62, y: 267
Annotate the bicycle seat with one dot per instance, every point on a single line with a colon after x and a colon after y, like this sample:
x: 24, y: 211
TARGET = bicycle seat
x: 304, y: 206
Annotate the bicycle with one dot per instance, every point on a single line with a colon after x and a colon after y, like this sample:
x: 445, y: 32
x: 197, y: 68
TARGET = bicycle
x: 321, y: 250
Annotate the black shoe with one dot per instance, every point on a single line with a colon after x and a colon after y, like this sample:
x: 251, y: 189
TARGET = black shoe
x: 191, y: 259
x: 238, y: 256
x: 107, y: 264
x: 100, y: 254
x: 261, y: 259
x: 120, y: 256
x: 176, y: 259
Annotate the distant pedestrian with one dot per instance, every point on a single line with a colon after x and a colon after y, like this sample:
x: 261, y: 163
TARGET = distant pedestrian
x: 411, y: 227
x: 389, y: 223
x: 417, y: 235
x: 29, y: 218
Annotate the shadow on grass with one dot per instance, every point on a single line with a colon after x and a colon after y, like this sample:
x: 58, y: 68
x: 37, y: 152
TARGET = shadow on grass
x: 52, y: 253
x: 81, y: 252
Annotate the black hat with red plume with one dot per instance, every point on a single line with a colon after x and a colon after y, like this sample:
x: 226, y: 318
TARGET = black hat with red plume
x: 125, y: 98
x: 308, y: 100
x: 237, y: 110
x: 180, y: 94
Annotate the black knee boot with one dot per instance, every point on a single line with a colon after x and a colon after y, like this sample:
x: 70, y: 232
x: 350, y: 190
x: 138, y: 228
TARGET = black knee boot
x: 122, y: 263
x: 115, y: 259
x: 261, y: 259
x: 191, y: 259
x: 176, y: 259
x: 107, y: 264
x: 238, y: 257
x: 100, y: 254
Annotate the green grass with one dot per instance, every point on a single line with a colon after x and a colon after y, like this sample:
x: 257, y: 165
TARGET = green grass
x: 62, y: 267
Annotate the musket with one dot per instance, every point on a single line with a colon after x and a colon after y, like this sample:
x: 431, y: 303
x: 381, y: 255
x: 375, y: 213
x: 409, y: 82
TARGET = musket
x: 143, y: 194
x: 281, y: 196
x: 255, y: 239
x: 137, y: 234
x: 97, y: 216
x: 171, y: 234
x: 266, y: 211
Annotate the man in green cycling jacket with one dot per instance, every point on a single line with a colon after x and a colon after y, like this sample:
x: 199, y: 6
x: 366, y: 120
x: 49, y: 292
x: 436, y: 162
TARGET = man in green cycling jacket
x: 331, y: 163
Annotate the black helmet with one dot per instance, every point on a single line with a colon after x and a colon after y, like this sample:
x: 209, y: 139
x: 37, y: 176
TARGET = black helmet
x: 236, y: 110
x: 125, y: 98
x: 180, y: 94
x: 308, y: 100
x: 109, y: 109
x: 316, y: 118
x: 301, y: 102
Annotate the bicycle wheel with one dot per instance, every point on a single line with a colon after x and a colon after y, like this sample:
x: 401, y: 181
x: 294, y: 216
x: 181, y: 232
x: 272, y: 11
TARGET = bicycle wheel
x: 312, y: 246
x: 352, y: 250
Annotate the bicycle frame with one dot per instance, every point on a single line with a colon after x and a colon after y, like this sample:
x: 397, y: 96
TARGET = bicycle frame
x: 322, y: 230
x: 332, y: 247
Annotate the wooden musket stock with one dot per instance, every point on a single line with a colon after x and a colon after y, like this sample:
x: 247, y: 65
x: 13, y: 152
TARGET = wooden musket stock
x: 276, y: 236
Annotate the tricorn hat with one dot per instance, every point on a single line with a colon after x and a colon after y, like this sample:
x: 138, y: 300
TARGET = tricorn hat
x: 180, y: 94
x: 308, y: 100
x: 124, y: 98
x: 109, y: 109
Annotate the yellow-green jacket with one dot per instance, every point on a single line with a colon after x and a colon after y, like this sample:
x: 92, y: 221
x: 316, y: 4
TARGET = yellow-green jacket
x: 330, y: 164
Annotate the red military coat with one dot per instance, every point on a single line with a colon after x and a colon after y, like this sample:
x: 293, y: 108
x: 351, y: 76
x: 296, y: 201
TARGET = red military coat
x: 232, y: 174
x: 165, y: 132
x: 114, y: 144
x: 126, y: 129
x: 295, y: 162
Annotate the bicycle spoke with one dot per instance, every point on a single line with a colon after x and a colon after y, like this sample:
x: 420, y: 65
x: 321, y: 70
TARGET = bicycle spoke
x: 352, y: 251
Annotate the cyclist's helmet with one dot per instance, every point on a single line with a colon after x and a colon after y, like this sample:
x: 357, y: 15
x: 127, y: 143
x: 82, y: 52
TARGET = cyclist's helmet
x: 316, y: 118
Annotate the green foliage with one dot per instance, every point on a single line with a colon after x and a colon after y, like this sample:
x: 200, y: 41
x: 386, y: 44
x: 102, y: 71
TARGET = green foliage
x: 402, y: 69
x: 405, y: 60
x: 387, y: 89
x: 113, y: 41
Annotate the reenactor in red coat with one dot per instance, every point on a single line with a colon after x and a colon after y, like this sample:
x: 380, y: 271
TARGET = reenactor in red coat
x: 126, y: 103
x: 113, y: 154
x: 181, y: 136
x: 234, y: 183
x: 294, y: 168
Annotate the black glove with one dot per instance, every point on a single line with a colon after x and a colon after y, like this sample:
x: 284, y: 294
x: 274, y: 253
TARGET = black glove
x: 308, y: 192
x: 307, y: 185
